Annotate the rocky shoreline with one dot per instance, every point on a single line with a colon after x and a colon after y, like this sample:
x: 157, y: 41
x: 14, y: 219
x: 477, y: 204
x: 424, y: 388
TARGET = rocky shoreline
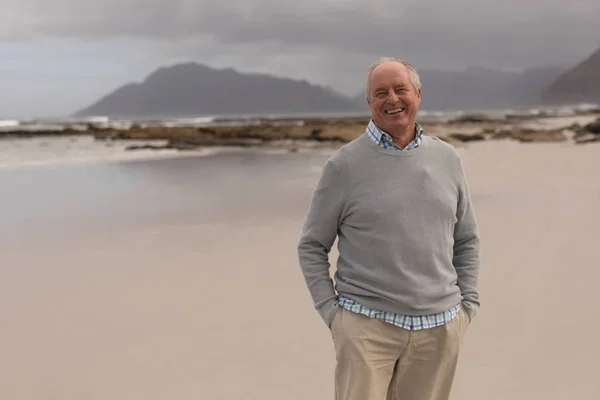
x: 295, y: 134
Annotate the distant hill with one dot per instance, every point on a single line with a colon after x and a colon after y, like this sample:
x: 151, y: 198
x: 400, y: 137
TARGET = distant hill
x: 481, y: 88
x: 580, y: 84
x: 192, y: 89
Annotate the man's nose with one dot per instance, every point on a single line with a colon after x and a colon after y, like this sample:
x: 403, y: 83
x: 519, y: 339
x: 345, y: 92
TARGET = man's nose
x: 393, y: 97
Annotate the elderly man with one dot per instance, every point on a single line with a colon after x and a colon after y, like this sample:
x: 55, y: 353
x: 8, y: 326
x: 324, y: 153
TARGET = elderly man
x: 407, y: 273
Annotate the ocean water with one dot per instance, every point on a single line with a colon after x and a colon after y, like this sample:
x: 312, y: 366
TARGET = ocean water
x: 97, y: 197
x: 42, y: 151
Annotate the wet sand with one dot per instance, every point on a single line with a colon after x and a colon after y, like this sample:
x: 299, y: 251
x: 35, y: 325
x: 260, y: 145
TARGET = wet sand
x: 178, y: 278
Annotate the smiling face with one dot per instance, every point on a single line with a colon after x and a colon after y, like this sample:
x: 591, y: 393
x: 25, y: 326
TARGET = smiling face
x: 392, y: 99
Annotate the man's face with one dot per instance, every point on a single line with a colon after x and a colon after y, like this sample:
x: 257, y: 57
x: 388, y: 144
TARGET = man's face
x: 392, y: 99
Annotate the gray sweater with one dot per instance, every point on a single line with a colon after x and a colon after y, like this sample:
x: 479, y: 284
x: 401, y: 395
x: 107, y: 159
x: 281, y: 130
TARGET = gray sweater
x: 406, y: 230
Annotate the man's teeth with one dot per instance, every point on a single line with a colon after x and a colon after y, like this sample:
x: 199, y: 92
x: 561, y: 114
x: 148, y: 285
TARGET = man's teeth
x: 394, y: 111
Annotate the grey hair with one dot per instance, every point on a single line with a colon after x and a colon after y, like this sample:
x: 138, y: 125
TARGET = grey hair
x: 412, y: 72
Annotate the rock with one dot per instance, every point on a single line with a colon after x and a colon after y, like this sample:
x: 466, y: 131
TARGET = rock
x: 587, y: 138
x: 592, y: 111
x: 530, y: 135
x: 527, y: 136
x: 593, y: 127
x: 448, y: 140
x: 581, y: 132
x: 95, y: 127
x: 475, y: 117
x: 195, y: 142
x: 146, y: 147
x: 521, y: 117
x: 467, y: 137
x: 110, y: 134
x: 501, y: 135
x: 315, y: 133
x: 185, y: 138
x: 182, y: 145
x: 573, y: 127
x: 207, y: 131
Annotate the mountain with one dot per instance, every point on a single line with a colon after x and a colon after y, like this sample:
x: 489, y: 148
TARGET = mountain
x: 192, y: 89
x: 580, y: 84
x: 481, y: 88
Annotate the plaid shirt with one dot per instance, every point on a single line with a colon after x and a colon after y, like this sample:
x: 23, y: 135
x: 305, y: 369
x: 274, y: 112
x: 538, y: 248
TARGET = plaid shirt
x: 385, y: 140
x: 410, y: 322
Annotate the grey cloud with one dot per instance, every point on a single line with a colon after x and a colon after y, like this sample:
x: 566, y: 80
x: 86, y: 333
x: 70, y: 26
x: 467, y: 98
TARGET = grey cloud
x: 470, y: 31
x: 329, y: 41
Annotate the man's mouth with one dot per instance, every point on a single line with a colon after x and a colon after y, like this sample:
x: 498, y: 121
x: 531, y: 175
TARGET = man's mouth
x: 394, y: 111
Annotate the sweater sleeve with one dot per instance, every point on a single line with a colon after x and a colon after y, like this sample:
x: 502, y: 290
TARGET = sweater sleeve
x: 318, y: 235
x: 466, y: 257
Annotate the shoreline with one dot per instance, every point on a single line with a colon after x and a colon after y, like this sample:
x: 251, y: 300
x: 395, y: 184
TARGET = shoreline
x: 294, y: 134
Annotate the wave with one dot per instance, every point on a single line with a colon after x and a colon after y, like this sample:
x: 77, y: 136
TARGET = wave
x: 188, y: 121
x: 18, y: 153
x: 105, y: 122
x: 9, y: 123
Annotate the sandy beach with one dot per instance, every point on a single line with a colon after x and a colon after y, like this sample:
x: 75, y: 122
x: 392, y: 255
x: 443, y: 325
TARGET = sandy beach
x: 178, y: 278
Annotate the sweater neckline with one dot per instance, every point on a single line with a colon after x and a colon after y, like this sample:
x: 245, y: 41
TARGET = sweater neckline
x: 392, y: 152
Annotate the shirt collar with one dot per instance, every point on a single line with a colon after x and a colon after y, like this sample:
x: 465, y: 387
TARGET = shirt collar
x: 384, y: 140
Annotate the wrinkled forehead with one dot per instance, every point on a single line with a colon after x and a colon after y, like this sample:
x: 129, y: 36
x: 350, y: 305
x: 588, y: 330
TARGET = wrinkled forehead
x: 389, y: 75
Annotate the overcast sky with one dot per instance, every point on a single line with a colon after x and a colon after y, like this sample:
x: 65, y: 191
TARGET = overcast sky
x: 57, y: 56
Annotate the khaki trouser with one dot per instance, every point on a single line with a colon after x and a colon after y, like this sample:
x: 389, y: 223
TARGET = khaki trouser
x: 377, y: 360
